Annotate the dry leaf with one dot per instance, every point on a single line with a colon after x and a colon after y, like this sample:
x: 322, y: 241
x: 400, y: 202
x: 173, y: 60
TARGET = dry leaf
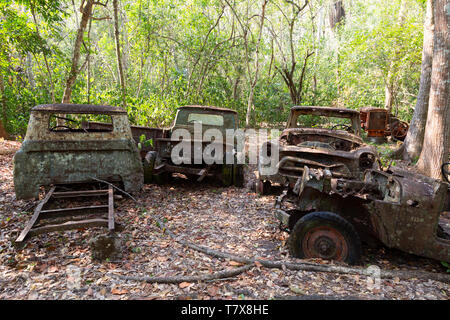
x: 52, y: 269
x: 183, y: 285
x: 212, y: 291
x: 119, y: 291
x: 235, y: 263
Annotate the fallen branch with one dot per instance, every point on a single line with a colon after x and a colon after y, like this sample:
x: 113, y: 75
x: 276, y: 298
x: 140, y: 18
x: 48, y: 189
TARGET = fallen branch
x: 308, y: 266
x: 208, y: 277
x: 250, y: 262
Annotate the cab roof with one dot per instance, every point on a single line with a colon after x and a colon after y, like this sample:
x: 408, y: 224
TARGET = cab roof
x: 326, y: 111
x: 208, y: 108
x: 78, y: 108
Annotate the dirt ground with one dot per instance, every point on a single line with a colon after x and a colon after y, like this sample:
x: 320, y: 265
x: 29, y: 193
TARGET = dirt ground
x: 236, y: 220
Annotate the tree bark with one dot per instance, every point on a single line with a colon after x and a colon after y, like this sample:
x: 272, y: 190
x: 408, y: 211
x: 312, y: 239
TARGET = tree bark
x: 86, y: 15
x: 118, y: 55
x: 437, y: 134
x: 414, y: 139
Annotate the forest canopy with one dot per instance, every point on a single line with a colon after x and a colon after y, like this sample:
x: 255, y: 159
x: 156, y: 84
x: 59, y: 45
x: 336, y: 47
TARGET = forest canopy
x: 257, y: 57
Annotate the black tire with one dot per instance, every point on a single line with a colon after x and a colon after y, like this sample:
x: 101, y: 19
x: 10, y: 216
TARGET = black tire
x: 227, y: 175
x: 262, y: 187
x: 148, y: 164
x: 162, y: 177
x: 325, y: 235
x: 238, y: 175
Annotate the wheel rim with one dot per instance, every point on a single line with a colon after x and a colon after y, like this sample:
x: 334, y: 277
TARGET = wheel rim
x: 325, y: 242
x: 400, y: 130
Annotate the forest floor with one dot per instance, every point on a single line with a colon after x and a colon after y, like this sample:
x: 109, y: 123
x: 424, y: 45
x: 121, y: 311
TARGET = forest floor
x: 236, y: 220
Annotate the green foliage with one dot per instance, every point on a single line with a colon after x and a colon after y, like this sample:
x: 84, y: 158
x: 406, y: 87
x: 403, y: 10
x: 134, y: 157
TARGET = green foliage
x: 177, y: 53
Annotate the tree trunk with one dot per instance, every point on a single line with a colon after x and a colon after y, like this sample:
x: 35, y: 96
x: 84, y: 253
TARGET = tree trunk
x: 337, y: 13
x: 436, y: 142
x: 414, y: 139
x: 47, y: 66
x: 253, y: 82
x: 389, y: 87
x: 118, y: 55
x: 3, y: 133
x: 86, y: 15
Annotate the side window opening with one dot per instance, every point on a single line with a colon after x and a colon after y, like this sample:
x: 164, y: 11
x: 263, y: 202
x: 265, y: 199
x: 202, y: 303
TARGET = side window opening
x: 80, y: 123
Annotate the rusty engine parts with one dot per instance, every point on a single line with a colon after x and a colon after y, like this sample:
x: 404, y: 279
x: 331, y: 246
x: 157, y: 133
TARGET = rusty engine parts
x: 328, y: 217
x: 379, y: 124
x: 336, y: 147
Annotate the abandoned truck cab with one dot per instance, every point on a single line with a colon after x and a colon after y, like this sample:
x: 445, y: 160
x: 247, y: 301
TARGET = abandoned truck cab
x: 196, y: 121
x: 318, y: 137
x: 59, y: 149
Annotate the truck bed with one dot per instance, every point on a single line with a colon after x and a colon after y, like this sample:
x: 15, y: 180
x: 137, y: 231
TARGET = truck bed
x: 137, y: 132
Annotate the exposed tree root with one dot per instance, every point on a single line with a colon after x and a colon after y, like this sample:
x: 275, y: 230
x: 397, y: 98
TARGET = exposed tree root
x: 208, y: 277
x: 251, y: 262
x: 307, y: 266
x: 398, y: 153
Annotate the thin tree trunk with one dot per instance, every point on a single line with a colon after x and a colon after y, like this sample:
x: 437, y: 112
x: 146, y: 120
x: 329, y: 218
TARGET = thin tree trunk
x: 29, y: 72
x: 3, y: 133
x: 88, y: 78
x: 255, y: 79
x: 414, y: 139
x: 86, y: 15
x: 47, y: 66
x: 437, y: 134
x: 389, y: 87
x: 118, y: 55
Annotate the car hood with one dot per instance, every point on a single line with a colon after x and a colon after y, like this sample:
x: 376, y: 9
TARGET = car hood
x: 324, y: 132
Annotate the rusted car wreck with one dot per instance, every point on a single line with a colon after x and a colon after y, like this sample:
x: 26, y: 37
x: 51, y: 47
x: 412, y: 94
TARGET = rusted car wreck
x: 157, y: 156
x: 336, y: 146
x: 327, y: 217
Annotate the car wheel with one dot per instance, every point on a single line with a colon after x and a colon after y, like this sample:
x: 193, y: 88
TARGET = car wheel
x: 227, y: 175
x: 325, y: 235
x: 162, y: 177
x: 238, y: 175
x: 262, y: 187
x: 148, y: 164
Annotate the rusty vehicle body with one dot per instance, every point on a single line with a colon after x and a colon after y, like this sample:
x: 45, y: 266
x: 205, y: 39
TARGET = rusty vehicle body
x: 158, y: 164
x: 343, y: 152
x: 327, y: 217
x: 379, y: 124
x: 58, y: 149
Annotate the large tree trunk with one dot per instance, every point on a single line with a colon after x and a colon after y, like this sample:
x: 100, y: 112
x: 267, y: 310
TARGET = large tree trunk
x: 337, y: 13
x: 86, y: 15
x: 414, y: 139
x: 118, y: 55
x: 437, y: 134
